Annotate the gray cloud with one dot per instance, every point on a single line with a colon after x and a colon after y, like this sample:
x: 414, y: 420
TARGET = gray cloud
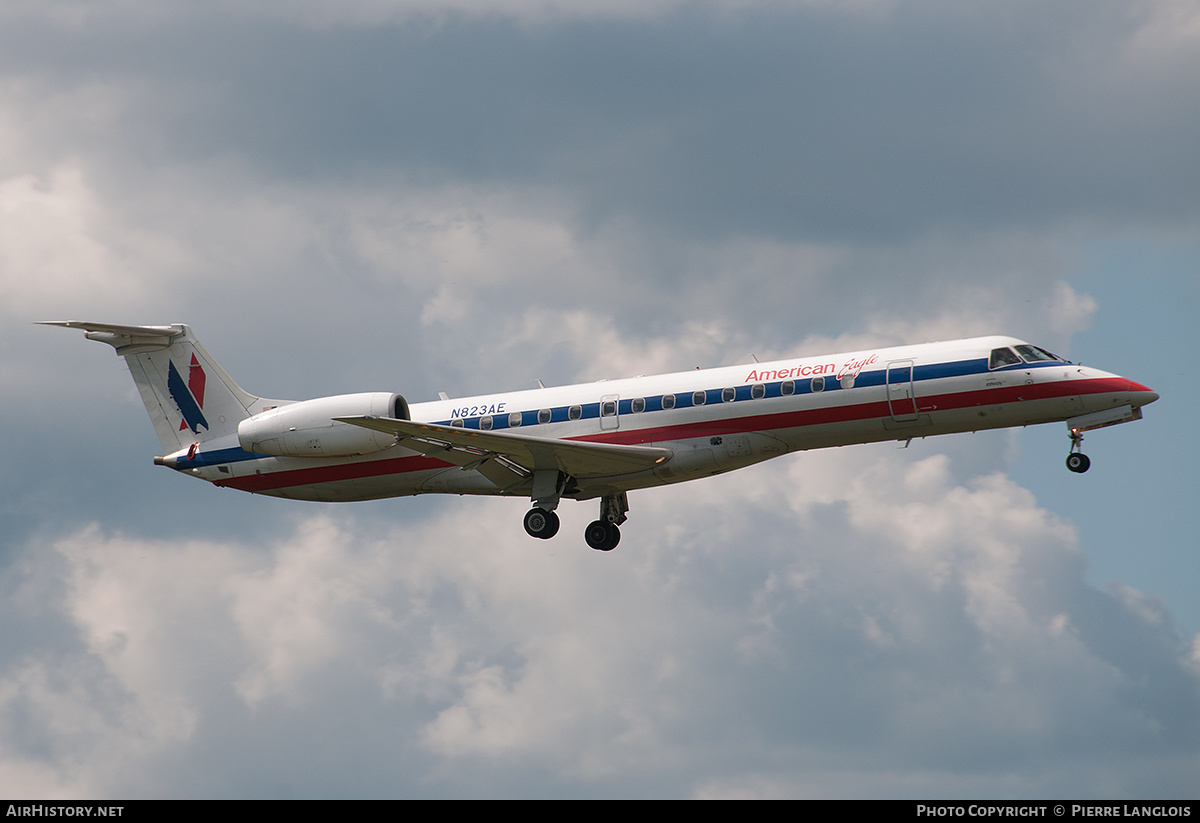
x: 788, y: 125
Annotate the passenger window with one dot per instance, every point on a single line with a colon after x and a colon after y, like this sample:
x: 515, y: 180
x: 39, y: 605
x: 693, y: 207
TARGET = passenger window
x: 485, y: 423
x: 817, y: 385
x: 758, y: 391
x: 787, y: 387
x: 1003, y: 357
x: 728, y: 395
x: 638, y: 404
x: 668, y: 401
x: 514, y: 420
x: 457, y: 423
x: 608, y: 408
x: 543, y: 415
x: 699, y: 397
x: 575, y: 412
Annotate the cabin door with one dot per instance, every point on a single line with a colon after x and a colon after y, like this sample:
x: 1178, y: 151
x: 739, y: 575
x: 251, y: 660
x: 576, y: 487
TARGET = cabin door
x: 901, y: 395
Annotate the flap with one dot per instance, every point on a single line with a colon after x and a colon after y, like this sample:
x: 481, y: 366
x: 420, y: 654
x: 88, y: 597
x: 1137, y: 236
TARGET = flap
x: 577, y: 458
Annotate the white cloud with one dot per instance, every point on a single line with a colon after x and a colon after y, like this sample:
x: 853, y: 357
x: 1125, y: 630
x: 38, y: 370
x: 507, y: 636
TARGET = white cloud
x: 58, y: 246
x: 1168, y: 30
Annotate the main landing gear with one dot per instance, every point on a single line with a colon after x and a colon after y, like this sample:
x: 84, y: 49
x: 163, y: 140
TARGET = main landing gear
x: 1077, y: 461
x: 602, y: 535
x: 541, y: 523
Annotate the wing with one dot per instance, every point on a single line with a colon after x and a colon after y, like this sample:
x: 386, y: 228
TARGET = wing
x: 507, y: 459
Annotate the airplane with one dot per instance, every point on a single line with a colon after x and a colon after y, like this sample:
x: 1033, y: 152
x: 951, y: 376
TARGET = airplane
x: 598, y: 440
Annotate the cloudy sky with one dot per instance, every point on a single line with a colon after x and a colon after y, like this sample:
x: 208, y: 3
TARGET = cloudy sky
x: 468, y: 195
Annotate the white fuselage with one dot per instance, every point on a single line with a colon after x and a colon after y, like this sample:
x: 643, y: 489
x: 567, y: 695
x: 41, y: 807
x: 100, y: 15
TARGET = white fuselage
x: 711, y: 420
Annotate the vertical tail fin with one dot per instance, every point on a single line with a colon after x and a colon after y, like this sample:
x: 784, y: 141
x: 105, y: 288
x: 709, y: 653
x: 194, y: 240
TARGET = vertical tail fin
x: 189, y: 397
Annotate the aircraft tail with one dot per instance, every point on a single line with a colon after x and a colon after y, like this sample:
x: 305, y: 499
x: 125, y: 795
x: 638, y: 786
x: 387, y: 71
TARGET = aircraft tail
x: 189, y: 397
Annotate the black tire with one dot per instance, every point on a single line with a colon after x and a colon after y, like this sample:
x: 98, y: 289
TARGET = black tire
x: 1078, y: 462
x: 541, y: 523
x: 596, y: 534
x: 614, y: 537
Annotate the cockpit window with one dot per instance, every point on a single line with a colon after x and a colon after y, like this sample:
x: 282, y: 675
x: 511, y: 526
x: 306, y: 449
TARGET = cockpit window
x: 1033, y: 354
x: 1003, y: 357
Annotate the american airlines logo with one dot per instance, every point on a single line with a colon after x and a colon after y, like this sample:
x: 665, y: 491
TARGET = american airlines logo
x: 853, y: 368
x: 189, y: 397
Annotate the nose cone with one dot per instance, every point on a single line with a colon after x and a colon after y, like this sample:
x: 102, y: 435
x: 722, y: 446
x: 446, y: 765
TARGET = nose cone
x: 1141, y: 395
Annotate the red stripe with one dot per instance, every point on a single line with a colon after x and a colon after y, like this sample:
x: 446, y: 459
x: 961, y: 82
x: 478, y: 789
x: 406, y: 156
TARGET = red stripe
x: 861, y: 411
x: 332, y: 474
x: 708, y: 428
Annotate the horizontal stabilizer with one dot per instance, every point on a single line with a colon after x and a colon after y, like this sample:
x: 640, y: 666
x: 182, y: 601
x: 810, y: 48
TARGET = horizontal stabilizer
x: 577, y: 458
x: 161, y: 331
x: 125, y: 339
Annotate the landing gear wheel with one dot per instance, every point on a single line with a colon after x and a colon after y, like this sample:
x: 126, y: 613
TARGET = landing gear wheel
x: 541, y: 523
x: 596, y: 534
x: 614, y: 537
x: 602, y: 536
x: 1078, y: 462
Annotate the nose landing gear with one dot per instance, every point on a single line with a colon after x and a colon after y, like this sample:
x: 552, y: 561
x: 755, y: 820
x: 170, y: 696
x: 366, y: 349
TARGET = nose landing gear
x: 1077, y: 461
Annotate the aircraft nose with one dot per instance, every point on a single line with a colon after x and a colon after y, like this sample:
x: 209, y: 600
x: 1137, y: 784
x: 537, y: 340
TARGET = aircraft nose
x: 1141, y: 395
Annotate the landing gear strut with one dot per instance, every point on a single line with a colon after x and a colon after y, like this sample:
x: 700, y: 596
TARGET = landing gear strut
x: 1077, y: 461
x: 541, y: 521
x: 603, y: 534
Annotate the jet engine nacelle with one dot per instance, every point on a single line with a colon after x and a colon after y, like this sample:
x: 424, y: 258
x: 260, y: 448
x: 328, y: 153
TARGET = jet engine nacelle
x: 307, y: 428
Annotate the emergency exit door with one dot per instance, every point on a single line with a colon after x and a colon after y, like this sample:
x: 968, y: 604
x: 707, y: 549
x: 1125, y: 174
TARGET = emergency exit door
x: 901, y: 394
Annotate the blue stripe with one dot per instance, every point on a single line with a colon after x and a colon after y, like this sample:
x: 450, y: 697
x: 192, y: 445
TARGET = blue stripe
x: 220, y: 457
x: 182, y: 396
x: 654, y: 403
x: 877, y: 377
